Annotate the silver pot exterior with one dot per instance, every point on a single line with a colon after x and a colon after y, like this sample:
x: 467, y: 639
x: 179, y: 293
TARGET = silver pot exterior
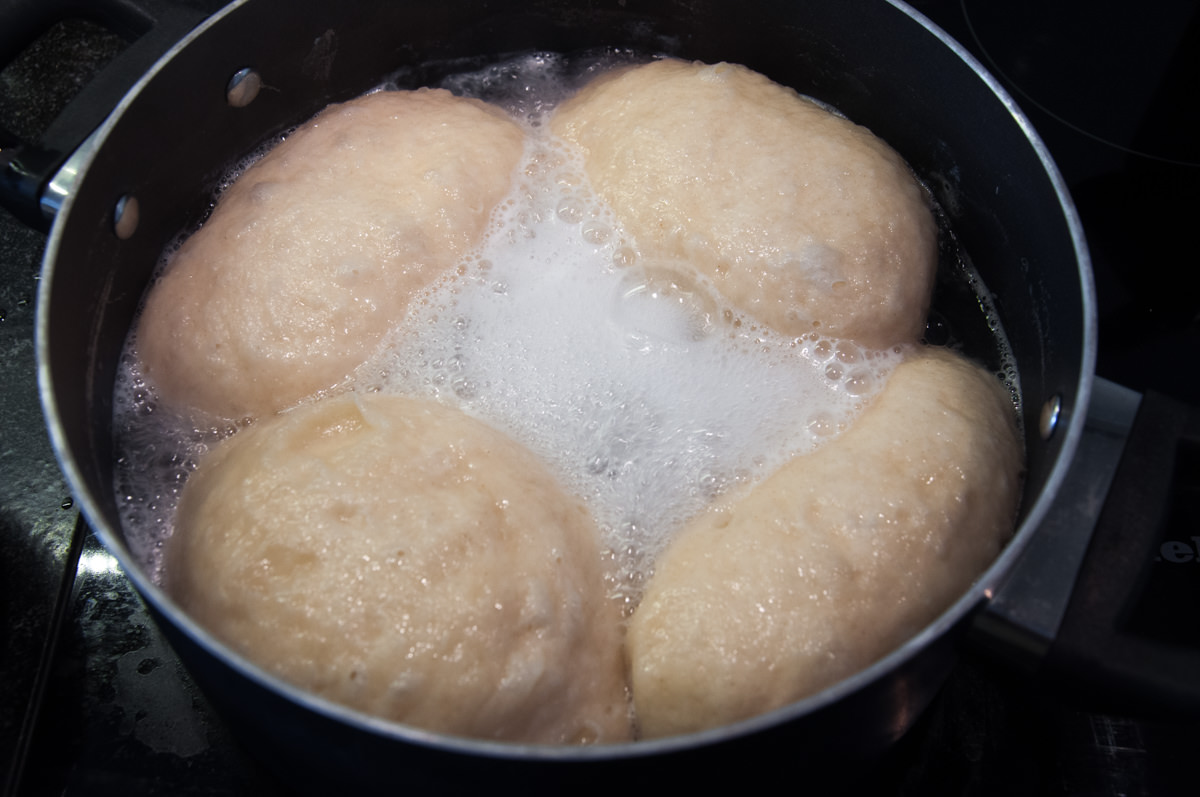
x: 881, y: 63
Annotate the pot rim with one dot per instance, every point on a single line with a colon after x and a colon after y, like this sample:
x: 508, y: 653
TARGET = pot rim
x: 978, y: 594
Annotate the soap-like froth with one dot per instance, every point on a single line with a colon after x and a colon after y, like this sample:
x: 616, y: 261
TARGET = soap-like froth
x: 803, y: 219
x: 634, y: 381
x: 835, y: 559
x: 408, y: 561
x: 313, y: 253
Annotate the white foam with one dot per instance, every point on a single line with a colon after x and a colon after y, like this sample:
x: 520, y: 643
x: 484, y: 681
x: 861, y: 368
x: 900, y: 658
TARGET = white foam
x: 644, y: 393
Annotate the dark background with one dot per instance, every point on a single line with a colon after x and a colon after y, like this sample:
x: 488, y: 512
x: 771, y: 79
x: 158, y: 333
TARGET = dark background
x: 92, y: 701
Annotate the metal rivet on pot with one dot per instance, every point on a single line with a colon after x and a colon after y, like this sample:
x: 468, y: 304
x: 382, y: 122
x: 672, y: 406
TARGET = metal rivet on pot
x: 125, y: 216
x: 1051, y: 411
x: 243, y: 87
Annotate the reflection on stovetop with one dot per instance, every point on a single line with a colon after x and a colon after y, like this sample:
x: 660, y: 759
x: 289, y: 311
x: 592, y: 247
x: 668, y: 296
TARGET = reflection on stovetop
x: 94, y: 702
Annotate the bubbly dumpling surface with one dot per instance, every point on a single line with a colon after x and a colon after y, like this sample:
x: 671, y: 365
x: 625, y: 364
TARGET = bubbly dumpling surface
x: 799, y: 217
x: 835, y: 559
x: 316, y: 250
x: 408, y: 561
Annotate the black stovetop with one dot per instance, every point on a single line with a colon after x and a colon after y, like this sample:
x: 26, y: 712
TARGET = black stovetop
x: 93, y: 701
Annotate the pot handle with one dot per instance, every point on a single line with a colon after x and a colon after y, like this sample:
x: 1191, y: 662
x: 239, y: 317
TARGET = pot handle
x: 1124, y: 636
x: 151, y: 26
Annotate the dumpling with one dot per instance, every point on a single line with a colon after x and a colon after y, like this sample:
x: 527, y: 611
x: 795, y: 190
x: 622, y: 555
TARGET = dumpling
x: 317, y: 249
x: 835, y: 559
x: 406, y: 560
x: 797, y: 216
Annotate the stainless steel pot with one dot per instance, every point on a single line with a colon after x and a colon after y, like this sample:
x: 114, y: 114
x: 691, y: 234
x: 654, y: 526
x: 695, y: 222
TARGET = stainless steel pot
x: 149, y: 170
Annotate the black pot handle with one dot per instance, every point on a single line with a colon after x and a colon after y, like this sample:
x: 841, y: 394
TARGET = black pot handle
x: 1130, y: 638
x: 1126, y: 638
x: 151, y: 26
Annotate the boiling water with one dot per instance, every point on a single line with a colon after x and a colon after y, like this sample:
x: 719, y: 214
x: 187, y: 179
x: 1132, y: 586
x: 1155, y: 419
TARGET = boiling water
x: 639, y: 388
x: 628, y: 377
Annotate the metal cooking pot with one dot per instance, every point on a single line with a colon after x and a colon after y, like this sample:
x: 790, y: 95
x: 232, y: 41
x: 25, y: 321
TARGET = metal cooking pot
x: 261, y: 66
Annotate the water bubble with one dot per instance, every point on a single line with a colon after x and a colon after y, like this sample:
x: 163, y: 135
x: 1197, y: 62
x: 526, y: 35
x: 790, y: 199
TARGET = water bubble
x: 464, y: 388
x: 822, y: 424
x: 572, y: 210
x: 710, y: 484
x: 624, y: 256
x: 848, y: 353
x: 569, y: 180
x: 664, y: 304
x: 596, y: 232
x: 859, y: 383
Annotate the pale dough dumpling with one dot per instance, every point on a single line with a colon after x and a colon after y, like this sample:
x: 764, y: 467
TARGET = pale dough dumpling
x: 798, y: 217
x: 409, y: 561
x: 835, y: 559
x: 316, y: 250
